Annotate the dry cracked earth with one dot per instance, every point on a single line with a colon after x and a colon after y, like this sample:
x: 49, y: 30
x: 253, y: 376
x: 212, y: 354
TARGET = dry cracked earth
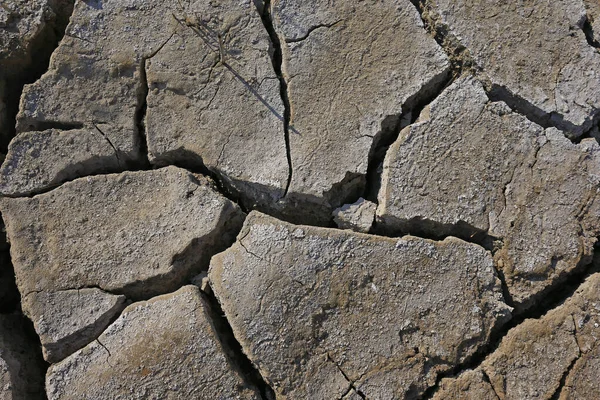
x: 372, y: 199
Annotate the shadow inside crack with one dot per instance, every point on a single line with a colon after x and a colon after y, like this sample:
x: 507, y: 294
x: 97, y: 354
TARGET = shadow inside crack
x: 21, y: 347
x: 9, y: 294
x: 15, y: 74
x: 434, y: 230
x: 233, y: 349
x: 538, y: 116
x: 550, y: 299
x: 589, y: 33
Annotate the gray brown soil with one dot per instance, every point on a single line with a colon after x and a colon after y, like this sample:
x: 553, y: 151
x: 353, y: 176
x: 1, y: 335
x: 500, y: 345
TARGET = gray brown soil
x: 278, y: 200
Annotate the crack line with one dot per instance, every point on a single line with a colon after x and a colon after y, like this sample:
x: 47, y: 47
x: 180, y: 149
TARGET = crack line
x: 567, y: 372
x: 108, y: 351
x: 311, y: 30
x: 487, y: 379
x: 350, y: 381
x: 277, y: 61
x: 588, y: 31
x: 553, y: 299
x: 233, y: 349
x: 109, y: 142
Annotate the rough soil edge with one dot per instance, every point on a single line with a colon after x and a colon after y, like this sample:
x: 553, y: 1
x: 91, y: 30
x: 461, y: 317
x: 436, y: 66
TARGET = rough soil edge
x: 9, y: 302
x: 41, y: 49
x: 232, y: 348
x: 393, y: 124
x: 462, y: 61
x: 142, y: 106
x: 276, y: 54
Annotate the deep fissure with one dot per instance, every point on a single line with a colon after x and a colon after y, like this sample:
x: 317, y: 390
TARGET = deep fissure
x: 462, y: 61
x: 533, y: 113
x: 218, y: 185
x: 142, y: 106
x: 393, y: 126
x: 504, y: 286
x: 486, y: 379
x: 140, y: 113
x: 31, y: 335
x: 9, y: 294
x: 264, y: 10
x: 433, y: 230
x: 588, y: 31
x: 40, y: 52
x: 233, y: 349
x: 10, y: 304
x: 551, y: 300
x: 41, y: 48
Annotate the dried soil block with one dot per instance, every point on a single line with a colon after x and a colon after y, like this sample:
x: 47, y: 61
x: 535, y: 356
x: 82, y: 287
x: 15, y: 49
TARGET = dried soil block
x: 166, y: 347
x: 137, y: 234
x: 555, y: 356
x: 320, y: 310
x: 349, y: 66
x: 535, y: 51
x: 215, y: 101
x: 68, y: 320
x: 38, y: 161
x: 471, y: 167
x: 358, y: 216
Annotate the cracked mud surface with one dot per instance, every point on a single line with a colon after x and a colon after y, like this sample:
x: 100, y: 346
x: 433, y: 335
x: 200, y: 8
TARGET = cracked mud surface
x: 269, y: 199
x: 306, y: 289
